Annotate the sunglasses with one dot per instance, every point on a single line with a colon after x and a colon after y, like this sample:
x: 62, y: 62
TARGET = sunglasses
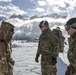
x: 67, y: 27
x: 12, y: 29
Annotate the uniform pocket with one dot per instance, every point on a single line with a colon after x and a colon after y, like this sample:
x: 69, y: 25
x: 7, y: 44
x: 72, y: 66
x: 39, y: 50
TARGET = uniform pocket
x: 3, y: 65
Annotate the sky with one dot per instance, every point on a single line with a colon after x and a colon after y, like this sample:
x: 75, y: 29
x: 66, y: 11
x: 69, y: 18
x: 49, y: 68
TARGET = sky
x: 37, y: 7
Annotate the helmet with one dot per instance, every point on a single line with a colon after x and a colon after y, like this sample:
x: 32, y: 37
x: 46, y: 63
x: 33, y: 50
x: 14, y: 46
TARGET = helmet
x: 43, y: 23
x: 6, y: 28
x: 71, y: 23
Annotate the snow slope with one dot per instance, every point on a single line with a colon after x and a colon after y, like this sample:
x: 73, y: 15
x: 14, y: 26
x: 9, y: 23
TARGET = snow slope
x: 24, y: 55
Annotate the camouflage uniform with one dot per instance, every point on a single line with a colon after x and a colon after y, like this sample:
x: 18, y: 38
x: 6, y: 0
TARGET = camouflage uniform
x: 48, y: 49
x: 72, y: 55
x: 61, y: 39
x: 6, y: 27
x: 3, y: 59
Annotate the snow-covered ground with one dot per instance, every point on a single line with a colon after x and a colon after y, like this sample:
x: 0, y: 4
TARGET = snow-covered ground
x: 24, y: 54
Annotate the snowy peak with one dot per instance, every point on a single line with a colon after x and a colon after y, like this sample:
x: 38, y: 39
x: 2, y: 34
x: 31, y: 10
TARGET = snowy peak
x: 33, y: 17
x: 2, y: 18
x: 54, y: 15
x: 29, y: 29
x: 23, y: 17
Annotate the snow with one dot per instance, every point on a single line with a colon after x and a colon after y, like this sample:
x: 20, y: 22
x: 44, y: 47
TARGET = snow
x: 24, y: 52
x: 30, y: 28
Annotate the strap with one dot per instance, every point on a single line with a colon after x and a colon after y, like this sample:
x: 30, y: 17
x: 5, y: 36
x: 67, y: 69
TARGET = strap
x: 4, y: 42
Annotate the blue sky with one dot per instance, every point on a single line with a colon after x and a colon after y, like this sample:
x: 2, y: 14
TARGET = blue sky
x: 37, y: 7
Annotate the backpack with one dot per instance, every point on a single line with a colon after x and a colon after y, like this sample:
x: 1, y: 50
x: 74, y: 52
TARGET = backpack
x: 58, y: 34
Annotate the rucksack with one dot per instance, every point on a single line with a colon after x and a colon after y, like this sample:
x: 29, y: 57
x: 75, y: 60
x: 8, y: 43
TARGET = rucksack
x: 58, y: 34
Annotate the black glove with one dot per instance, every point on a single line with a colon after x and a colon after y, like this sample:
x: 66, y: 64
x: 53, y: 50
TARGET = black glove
x: 36, y: 58
x: 70, y: 70
x: 54, y: 60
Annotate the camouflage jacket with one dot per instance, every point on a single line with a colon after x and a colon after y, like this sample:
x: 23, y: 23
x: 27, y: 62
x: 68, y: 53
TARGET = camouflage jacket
x: 3, y: 59
x: 72, y: 49
x: 6, y: 27
x: 47, y: 44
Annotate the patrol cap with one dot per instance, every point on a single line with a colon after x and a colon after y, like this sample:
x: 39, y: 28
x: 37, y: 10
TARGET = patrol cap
x: 71, y: 23
x: 43, y: 23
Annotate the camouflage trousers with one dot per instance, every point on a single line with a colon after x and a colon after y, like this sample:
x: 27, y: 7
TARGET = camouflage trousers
x: 10, y: 69
x: 2, y: 73
x: 3, y: 66
x: 47, y: 68
x: 10, y: 66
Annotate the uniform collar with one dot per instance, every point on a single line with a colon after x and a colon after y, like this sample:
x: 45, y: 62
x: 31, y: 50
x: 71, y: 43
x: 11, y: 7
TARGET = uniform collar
x: 46, y: 30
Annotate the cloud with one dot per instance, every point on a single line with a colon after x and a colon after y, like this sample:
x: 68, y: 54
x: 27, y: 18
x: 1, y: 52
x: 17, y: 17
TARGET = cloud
x: 58, y: 6
x: 5, y: 0
x: 41, y: 3
x: 61, y: 3
x: 32, y: 0
x: 39, y: 9
x: 56, y: 2
x: 3, y: 15
x: 11, y: 9
x: 72, y: 3
x: 59, y: 9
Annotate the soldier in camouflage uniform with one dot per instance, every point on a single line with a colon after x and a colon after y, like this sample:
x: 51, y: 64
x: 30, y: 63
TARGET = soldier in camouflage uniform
x: 3, y: 59
x: 8, y: 31
x: 70, y: 27
x: 47, y: 48
x: 58, y: 34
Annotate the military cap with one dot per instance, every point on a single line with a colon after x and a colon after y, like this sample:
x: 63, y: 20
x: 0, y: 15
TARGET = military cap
x: 43, y: 23
x: 71, y: 23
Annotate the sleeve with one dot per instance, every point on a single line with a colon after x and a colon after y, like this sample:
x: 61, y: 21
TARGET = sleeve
x: 74, y: 52
x: 39, y: 48
x: 8, y: 53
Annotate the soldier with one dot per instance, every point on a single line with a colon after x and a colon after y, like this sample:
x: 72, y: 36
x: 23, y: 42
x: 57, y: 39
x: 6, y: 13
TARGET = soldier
x: 70, y: 27
x: 58, y: 34
x: 8, y: 31
x: 47, y: 48
x: 3, y: 59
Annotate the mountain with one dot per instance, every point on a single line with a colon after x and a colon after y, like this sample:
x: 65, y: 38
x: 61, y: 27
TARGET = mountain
x: 33, y: 17
x: 23, y: 17
x: 29, y: 29
x: 54, y: 15
x: 2, y: 18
